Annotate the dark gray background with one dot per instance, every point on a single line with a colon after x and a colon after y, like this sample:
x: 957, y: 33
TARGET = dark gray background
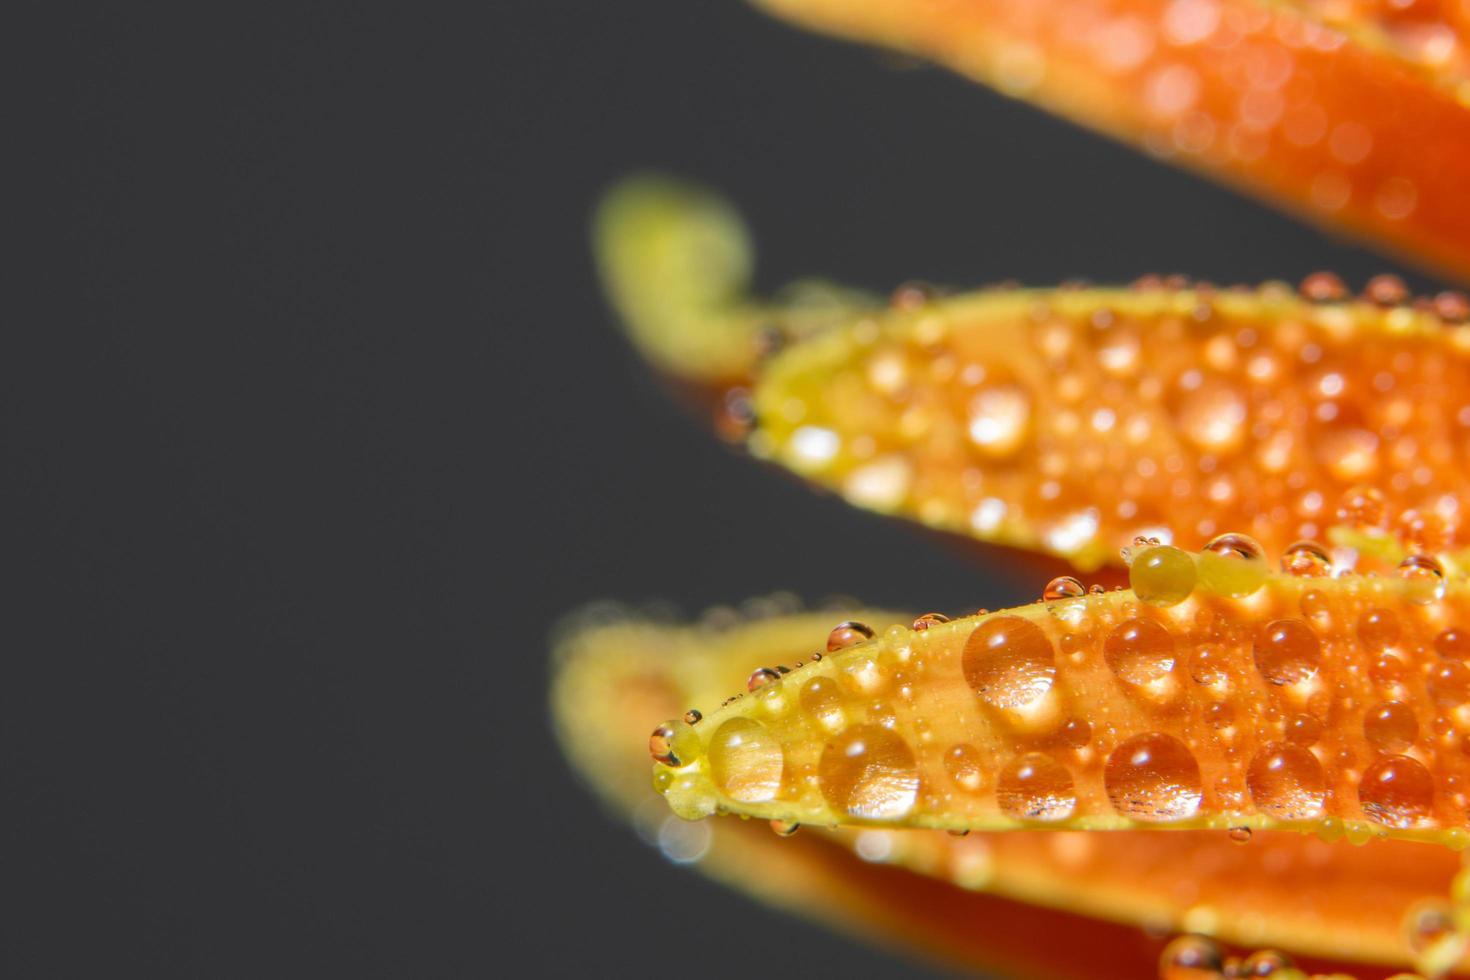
x: 315, y: 423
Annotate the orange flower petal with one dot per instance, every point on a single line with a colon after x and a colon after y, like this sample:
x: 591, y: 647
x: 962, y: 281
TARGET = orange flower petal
x: 939, y: 894
x: 1352, y: 114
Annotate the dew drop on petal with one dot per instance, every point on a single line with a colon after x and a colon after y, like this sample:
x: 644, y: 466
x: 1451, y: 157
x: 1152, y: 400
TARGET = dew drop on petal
x: 1036, y: 787
x: 965, y: 767
x: 1287, y: 652
x: 1009, y: 662
x: 1453, y: 644
x: 746, y: 761
x: 1162, y: 575
x: 1306, y: 559
x: 1425, y: 578
x: 1139, y: 651
x: 1232, y: 565
x: 1191, y: 957
x: 1378, y: 628
x: 674, y: 743
x: 1396, y: 791
x: 848, y: 634
x: 1286, y: 782
x: 1153, y: 777
x: 1390, y: 726
x: 1063, y: 587
x: 869, y: 772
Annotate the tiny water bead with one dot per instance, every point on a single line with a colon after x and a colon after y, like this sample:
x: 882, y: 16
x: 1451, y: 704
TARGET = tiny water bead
x: 1390, y: 726
x: 1304, y: 730
x: 674, y: 743
x: 1363, y: 508
x: 1265, y: 963
x: 869, y: 772
x: 848, y: 634
x: 1323, y: 287
x: 1153, y: 777
x: 1287, y: 652
x: 1139, y: 652
x: 1191, y: 957
x: 1397, y: 791
x: 1240, y: 835
x: 1453, y: 644
x: 1232, y: 565
x: 1425, y: 578
x: 930, y: 619
x: 746, y: 761
x: 1306, y: 559
x: 760, y: 677
x: 693, y: 716
x: 1063, y: 587
x: 1077, y: 732
x: 965, y: 767
x: 1009, y: 662
x: 821, y: 699
x: 1286, y: 782
x: 1449, y: 683
x: 1386, y: 290
x: 1036, y: 787
x: 1162, y: 575
x: 1378, y: 628
x: 785, y: 828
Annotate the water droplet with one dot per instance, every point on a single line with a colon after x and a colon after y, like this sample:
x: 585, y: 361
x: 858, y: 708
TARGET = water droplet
x: 785, y: 828
x: 1139, y: 651
x: 1000, y: 417
x: 1453, y: 644
x: 1378, y: 628
x: 869, y: 772
x: 1162, y: 575
x: 1063, y: 587
x: 1386, y: 290
x: 912, y: 295
x: 1425, y: 578
x: 1240, y: 835
x: 961, y: 832
x: 1396, y: 791
x: 1264, y: 963
x: 746, y: 761
x: 1429, y: 923
x: 1287, y: 652
x: 1362, y: 507
x: 1036, y: 787
x: 1390, y: 726
x: 1449, y: 683
x: 1323, y: 287
x: 822, y: 701
x: 1306, y: 559
x: 1452, y: 307
x: 848, y: 634
x: 1191, y: 958
x: 964, y: 765
x: 1303, y: 730
x: 693, y: 716
x: 1232, y: 565
x: 1219, y: 714
x: 674, y: 743
x: 1077, y: 732
x: 1153, y: 777
x: 1009, y: 662
x: 1209, y: 664
x: 930, y: 619
x: 760, y: 677
x: 1286, y: 782
x: 1213, y: 418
